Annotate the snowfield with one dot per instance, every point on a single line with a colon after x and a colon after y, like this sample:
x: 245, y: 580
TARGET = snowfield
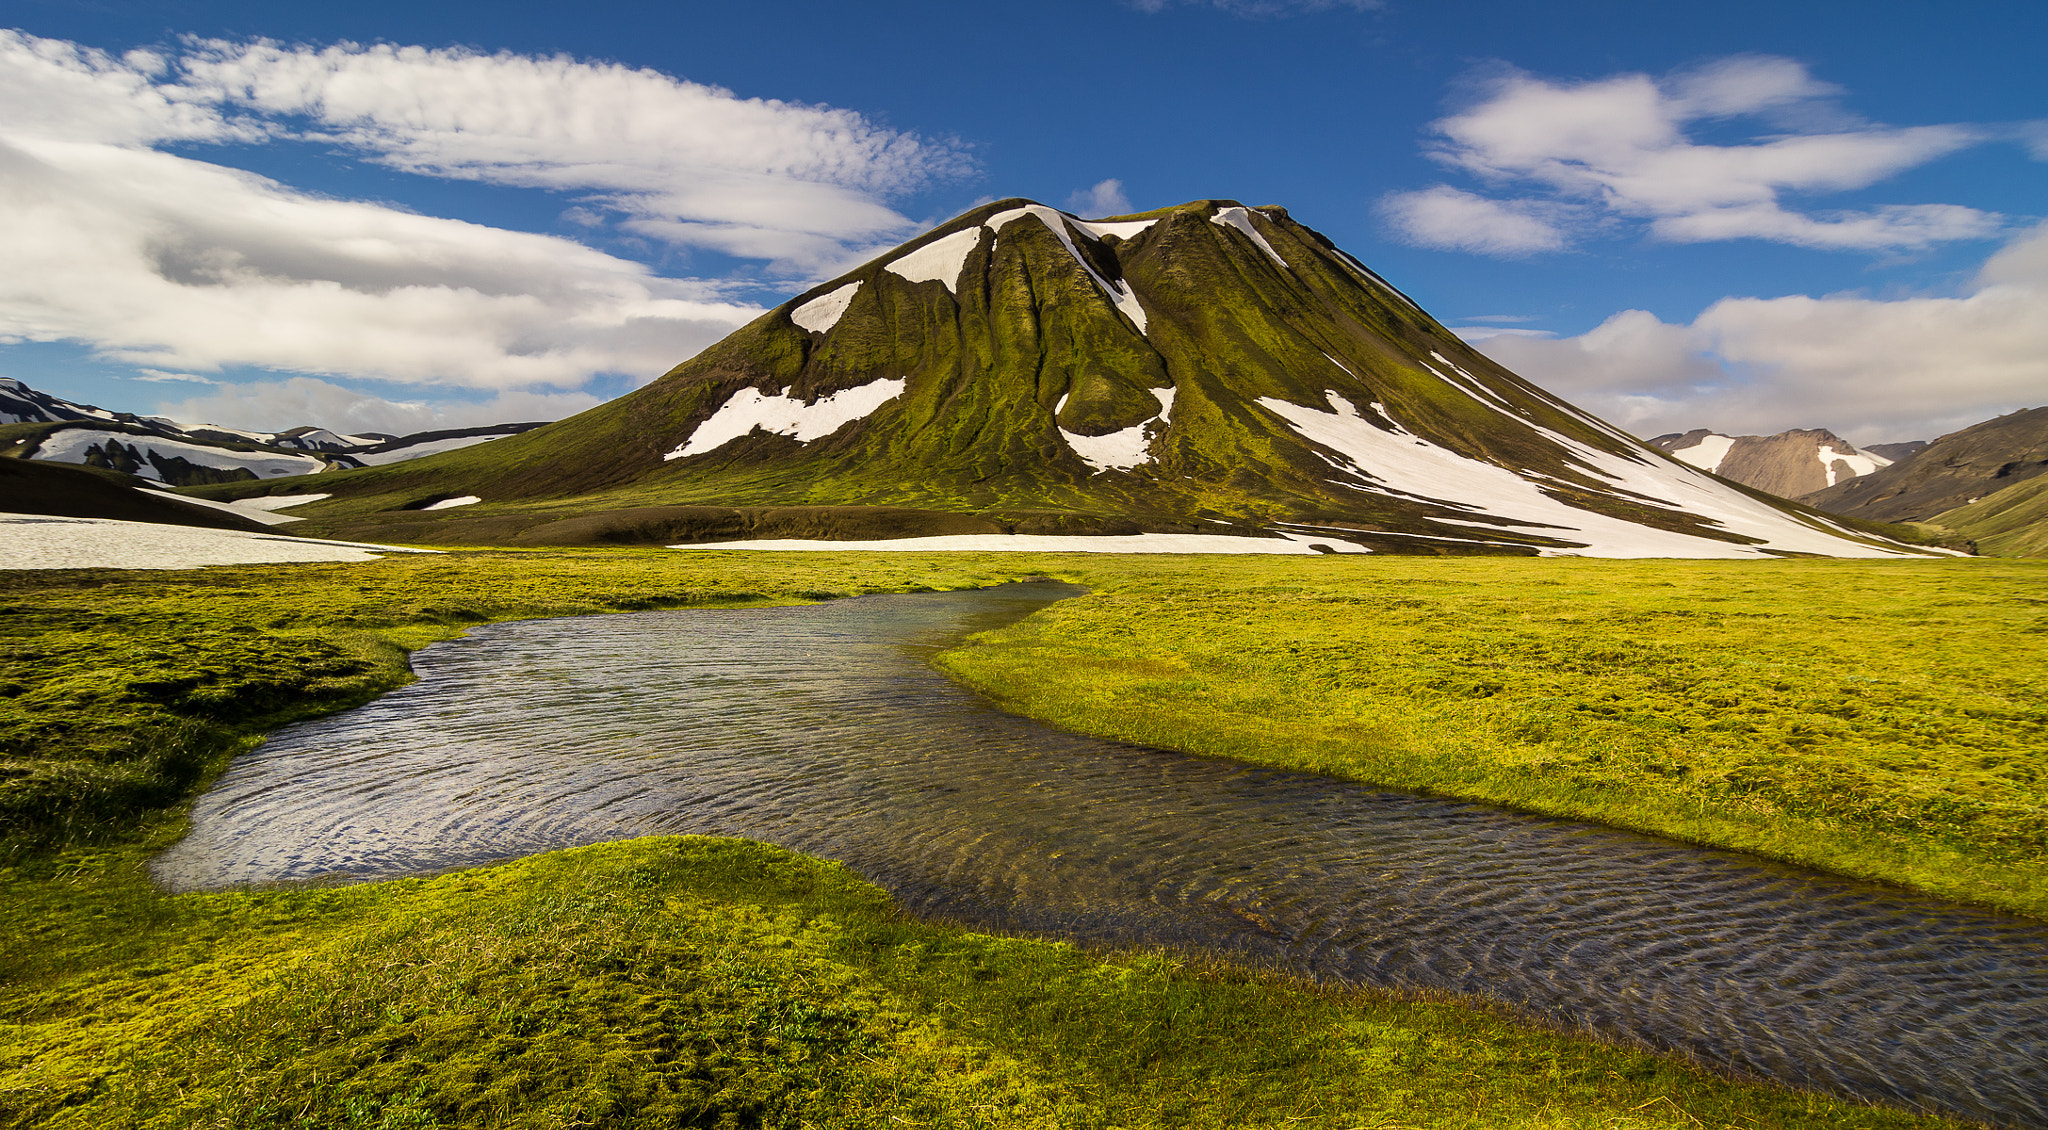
x: 939, y: 261
x: 1056, y: 543
x: 784, y: 415
x: 823, y: 312
x: 254, y: 509
x: 36, y: 541
x: 1120, y: 450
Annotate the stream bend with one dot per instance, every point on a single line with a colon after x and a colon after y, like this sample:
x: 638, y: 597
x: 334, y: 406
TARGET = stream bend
x: 822, y: 729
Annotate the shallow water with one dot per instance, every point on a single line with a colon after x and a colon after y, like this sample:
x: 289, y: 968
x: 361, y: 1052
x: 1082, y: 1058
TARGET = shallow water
x: 822, y: 729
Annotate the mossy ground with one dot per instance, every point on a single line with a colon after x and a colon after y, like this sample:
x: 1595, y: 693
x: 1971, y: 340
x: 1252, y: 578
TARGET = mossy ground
x: 1874, y: 718
x: 1883, y: 720
x: 719, y: 983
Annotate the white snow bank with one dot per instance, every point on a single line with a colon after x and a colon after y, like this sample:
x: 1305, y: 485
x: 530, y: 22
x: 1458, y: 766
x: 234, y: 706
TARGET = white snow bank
x: 1056, y: 222
x: 1395, y: 462
x: 71, y: 445
x: 452, y: 503
x: 273, y: 502
x: 823, y: 312
x: 254, y: 509
x: 1119, y: 450
x: 424, y: 447
x: 1860, y: 463
x: 1122, y: 229
x: 1057, y: 543
x: 1241, y: 219
x: 1708, y: 453
x: 35, y: 541
x: 938, y: 261
x: 747, y: 409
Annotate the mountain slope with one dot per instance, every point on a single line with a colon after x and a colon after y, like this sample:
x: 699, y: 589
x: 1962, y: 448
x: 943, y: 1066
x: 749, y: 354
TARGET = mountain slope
x: 1206, y: 368
x: 1788, y: 464
x: 1953, y: 471
x: 80, y: 492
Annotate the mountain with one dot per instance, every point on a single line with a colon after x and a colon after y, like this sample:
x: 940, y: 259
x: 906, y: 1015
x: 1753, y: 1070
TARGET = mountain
x: 36, y: 425
x: 1208, y: 368
x: 1954, y: 471
x: 1896, y: 452
x: 2013, y: 522
x: 1788, y: 464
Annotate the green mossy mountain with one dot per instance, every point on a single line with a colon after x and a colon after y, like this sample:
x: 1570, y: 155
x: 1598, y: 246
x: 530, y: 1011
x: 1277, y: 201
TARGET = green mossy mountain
x: 1020, y: 370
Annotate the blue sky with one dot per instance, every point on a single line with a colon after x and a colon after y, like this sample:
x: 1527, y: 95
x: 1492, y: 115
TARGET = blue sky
x: 1744, y: 216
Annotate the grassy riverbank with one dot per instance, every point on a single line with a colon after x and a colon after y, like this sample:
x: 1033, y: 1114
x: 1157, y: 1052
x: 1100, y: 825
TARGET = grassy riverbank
x: 1883, y: 720
x: 691, y: 982
x: 1873, y: 718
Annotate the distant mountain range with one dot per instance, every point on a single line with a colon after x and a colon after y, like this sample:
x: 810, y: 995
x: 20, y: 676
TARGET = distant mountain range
x: 37, y: 426
x: 1789, y: 464
x: 1209, y: 368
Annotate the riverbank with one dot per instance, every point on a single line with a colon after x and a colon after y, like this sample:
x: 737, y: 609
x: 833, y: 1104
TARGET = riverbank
x: 1880, y: 720
x: 127, y: 691
x: 695, y: 982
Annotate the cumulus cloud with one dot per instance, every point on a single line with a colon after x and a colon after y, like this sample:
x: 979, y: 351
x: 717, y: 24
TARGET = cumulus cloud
x: 1873, y: 370
x: 167, y: 261
x: 277, y: 405
x: 1104, y: 198
x: 1450, y: 218
x: 1620, y: 146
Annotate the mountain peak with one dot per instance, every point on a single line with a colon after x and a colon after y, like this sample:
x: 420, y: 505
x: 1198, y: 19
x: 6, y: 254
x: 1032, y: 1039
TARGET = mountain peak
x: 1209, y: 364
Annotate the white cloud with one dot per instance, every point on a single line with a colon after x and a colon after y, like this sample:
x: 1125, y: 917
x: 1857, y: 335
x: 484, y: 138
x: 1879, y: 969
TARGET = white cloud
x: 277, y: 405
x: 164, y: 260
x: 1104, y: 198
x: 158, y: 376
x: 1451, y: 218
x: 677, y: 160
x: 1621, y: 145
x: 1872, y: 370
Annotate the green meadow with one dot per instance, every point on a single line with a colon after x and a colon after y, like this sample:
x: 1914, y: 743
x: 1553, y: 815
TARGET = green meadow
x: 1876, y: 719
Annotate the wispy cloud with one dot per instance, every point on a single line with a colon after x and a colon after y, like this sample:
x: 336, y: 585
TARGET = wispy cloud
x: 1103, y: 198
x: 1871, y: 369
x: 1620, y: 150
x: 1452, y: 218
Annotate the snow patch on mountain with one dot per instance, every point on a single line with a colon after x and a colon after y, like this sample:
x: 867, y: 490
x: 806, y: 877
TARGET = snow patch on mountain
x: 1391, y: 460
x: 422, y: 448
x: 1841, y: 466
x: 1241, y: 219
x: 1122, y: 229
x: 73, y: 444
x: 823, y: 312
x: 1056, y: 222
x: 784, y: 415
x: 1708, y: 453
x: 941, y: 260
x: 1119, y: 450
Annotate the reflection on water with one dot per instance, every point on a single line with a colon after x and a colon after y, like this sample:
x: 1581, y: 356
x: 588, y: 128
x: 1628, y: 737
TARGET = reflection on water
x: 822, y: 729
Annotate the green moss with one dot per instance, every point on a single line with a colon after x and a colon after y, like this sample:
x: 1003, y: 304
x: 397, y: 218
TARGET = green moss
x: 718, y: 983
x: 1879, y: 720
